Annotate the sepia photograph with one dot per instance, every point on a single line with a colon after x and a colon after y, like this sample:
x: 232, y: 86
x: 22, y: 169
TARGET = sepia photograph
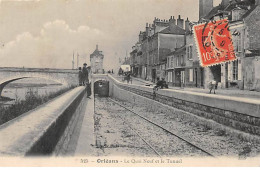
x: 129, y: 83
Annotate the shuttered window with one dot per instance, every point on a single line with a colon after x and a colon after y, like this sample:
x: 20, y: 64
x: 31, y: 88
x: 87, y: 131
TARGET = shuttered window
x: 239, y: 71
x: 189, y: 52
x: 235, y: 70
x: 191, y: 75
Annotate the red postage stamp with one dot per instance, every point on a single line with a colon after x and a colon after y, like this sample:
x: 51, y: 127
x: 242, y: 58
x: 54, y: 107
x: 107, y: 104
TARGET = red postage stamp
x: 214, y: 42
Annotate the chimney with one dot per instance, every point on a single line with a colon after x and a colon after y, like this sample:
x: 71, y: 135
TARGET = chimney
x: 96, y: 47
x: 172, y: 21
x: 180, y: 22
x: 205, y: 7
x: 146, y: 29
x: 149, y: 30
x: 187, y: 25
x: 140, y: 36
x: 155, y: 19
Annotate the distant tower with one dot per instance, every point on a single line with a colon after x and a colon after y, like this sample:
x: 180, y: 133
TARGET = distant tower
x: 96, y: 60
x: 205, y: 7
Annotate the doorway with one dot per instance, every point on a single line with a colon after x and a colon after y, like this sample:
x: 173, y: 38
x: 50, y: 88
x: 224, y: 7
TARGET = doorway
x: 202, y: 77
x: 216, y: 72
x: 196, y: 77
x: 153, y: 75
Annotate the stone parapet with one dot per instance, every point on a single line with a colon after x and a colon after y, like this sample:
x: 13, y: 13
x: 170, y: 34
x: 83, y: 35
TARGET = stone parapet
x: 38, y: 131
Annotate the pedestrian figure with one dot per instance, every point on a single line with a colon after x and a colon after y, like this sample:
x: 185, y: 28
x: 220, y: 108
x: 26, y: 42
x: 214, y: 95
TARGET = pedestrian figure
x: 85, y: 74
x: 120, y: 72
x: 156, y: 87
x: 128, y: 77
x: 80, y: 77
x: 212, y: 86
x: 160, y: 84
x: 164, y: 84
x: 88, y: 85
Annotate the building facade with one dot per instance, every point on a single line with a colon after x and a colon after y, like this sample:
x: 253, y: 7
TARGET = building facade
x: 244, y: 24
x: 176, y: 67
x: 149, y: 58
x: 168, y: 50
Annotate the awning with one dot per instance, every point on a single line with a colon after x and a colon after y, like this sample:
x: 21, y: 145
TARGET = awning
x: 125, y: 68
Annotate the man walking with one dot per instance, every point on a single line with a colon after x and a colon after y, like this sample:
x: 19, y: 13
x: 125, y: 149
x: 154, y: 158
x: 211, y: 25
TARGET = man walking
x: 212, y: 86
x: 86, y: 80
x: 128, y: 77
x: 80, y: 77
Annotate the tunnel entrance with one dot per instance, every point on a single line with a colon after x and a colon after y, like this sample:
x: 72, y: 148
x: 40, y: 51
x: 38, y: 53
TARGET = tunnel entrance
x: 101, y: 88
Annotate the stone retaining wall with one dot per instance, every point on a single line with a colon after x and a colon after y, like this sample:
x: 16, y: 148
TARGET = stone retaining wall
x: 238, y: 114
x: 64, y: 140
x: 38, y: 131
x: 47, y: 143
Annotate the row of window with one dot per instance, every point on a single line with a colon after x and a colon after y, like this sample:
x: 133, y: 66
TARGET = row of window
x: 191, y: 76
x: 180, y: 58
x: 236, y: 71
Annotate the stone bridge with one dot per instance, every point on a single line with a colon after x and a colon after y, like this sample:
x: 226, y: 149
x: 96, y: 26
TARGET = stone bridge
x: 65, y: 77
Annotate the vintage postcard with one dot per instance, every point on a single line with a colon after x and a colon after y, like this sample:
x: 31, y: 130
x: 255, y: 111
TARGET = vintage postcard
x: 130, y: 83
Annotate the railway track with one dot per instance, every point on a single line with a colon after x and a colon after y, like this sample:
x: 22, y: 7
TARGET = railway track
x: 161, y: 127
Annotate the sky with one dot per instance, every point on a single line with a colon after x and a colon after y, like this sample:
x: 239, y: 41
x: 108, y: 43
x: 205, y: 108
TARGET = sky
x: 45, y: 33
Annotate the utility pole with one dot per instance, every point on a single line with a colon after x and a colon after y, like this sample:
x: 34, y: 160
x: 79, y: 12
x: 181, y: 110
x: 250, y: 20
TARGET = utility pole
x: 73, y: 61
x: 119, y: 58
x: 125, y: 56
x: 77, y: 60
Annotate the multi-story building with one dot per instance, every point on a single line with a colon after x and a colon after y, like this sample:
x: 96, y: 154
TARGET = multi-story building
x: 194, y: 73
x: 96, y: 60
x: 133, y: 61
x: 176, y: 67
x: 183, y: 67
x: 159, y: 39
x: 167, y: 50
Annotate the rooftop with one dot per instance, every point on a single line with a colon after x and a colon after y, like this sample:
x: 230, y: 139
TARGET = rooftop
x: 96, y: 52
x: 220, y: 9
x: 173, y: 29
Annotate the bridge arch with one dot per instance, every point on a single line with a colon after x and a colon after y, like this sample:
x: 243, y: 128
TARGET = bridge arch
x: 65, y: 77
x: 6, y: 81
